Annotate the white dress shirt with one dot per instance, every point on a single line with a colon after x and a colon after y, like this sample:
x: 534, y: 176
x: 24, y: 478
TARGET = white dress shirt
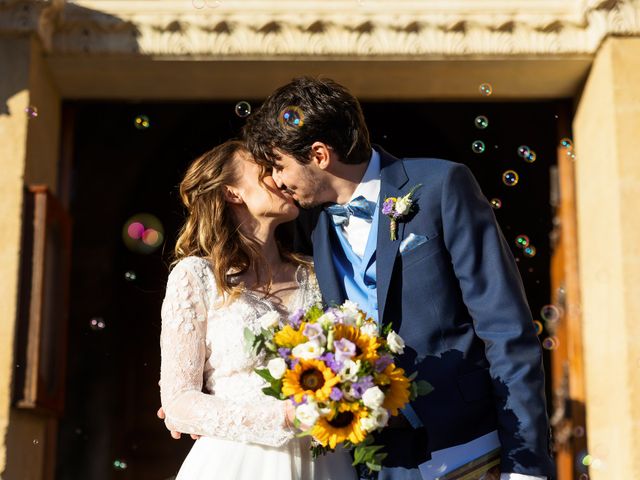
x: 357, y: 230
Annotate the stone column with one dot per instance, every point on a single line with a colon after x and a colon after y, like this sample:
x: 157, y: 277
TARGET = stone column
x: 29, y: 151
x: 607, y: 141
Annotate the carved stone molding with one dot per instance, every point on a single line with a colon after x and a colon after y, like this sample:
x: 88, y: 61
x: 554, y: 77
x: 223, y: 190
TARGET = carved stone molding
x: 323, y: 28
x: 21, y: 17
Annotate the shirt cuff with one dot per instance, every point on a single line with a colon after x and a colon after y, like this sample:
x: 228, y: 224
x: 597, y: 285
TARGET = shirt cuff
x: 520, y: 476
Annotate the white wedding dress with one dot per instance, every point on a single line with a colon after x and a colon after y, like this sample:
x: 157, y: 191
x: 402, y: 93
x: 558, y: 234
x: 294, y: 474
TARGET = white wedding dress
x: 208, y: 386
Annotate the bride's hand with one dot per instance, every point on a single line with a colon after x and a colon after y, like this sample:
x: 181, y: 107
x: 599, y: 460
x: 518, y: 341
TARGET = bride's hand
x: 290, y: 411
x: 290, y: 414
x: 174, y: 434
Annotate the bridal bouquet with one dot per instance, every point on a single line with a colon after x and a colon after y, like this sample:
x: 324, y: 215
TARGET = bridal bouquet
x: 339, y: 372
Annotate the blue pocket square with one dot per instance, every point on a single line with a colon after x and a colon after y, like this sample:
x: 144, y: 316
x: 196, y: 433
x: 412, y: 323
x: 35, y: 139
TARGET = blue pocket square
x: 411, y: 242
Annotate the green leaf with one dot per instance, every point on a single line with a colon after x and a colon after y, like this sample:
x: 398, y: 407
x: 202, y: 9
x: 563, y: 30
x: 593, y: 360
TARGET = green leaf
x: 264, y: 373
x: 374, y: 466
x: 303, y: 434
x: 359, y: 455
x: 314, y: 313
x: 271, y: 392
x: 387, y: 328
x: 424, y: 387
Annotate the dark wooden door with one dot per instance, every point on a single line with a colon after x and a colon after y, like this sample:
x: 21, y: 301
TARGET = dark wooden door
x: 118, y: 167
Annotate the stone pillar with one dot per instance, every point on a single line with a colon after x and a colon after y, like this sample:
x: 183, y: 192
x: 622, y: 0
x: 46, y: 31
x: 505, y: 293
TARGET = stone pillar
x: 29, y: 151
x: 607, y: 142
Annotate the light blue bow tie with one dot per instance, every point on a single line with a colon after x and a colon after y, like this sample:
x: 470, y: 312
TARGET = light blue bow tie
x: 358, y: 207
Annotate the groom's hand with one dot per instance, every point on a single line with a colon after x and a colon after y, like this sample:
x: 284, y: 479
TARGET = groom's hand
x: 174, y: 434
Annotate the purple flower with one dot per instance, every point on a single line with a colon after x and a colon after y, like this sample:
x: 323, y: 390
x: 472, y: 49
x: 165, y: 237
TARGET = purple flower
x: 313, y: 331
x: 329, y: 359
x: 345, y: 350
x: 362, y: 385
x: 383, y: 362
x: 336, y: 394
x: 294, y: 362
x: 387, y: 206
x: 284, y: 352
x: 296, y: 318
x: 336, y: 313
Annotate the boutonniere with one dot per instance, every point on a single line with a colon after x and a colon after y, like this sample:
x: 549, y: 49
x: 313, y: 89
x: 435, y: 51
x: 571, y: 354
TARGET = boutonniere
x: 397, y: 208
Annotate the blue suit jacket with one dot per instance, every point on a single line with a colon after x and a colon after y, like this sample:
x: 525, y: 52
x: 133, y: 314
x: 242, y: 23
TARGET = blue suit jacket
x: 458, y: 302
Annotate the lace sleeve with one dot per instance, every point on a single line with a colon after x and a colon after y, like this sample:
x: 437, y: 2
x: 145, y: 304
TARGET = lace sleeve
x: 182, y: 342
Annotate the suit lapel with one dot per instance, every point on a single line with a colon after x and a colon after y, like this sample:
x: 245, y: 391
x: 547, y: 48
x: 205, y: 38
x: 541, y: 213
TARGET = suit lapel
x: 323, y: 261
x: 392, y: 178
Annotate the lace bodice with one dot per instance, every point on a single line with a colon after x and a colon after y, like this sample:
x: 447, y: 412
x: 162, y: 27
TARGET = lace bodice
x: 207, y: 383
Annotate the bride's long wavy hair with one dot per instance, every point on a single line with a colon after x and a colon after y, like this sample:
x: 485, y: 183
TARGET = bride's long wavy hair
x: 210, y: 230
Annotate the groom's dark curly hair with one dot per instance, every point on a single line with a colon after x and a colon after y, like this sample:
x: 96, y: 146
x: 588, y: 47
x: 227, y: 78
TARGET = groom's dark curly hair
x: 325, y: 111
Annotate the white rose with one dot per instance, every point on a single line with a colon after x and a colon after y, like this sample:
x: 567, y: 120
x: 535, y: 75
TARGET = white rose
x: 350, y: 312
x: 277, y: 367
x: 370, y: 328
x: 350, y: 307
x: 368, y: 423
x: 380, y: 417
x: 373, y: 397
x: 326, y: 319
x: 307, y: 350
x: 395, y: 342
x: 307, y: 413
x: 269, y: 320
x: 349, y: 372
x: 403, y: 204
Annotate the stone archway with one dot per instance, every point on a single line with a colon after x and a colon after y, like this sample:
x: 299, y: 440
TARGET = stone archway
x: 103, y: 49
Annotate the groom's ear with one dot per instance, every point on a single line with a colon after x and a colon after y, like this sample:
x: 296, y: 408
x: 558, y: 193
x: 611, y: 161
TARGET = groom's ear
x: 321, y: 154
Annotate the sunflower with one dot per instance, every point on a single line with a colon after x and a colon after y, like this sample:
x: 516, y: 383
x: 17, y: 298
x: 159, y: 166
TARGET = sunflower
x: 289, y: 337
x: 309, y: 377
x: 344, y: 424
x: 396, y: 388
x: 366, y: 346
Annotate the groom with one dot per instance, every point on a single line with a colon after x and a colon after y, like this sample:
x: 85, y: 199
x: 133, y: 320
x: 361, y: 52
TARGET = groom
x: 447, y: 283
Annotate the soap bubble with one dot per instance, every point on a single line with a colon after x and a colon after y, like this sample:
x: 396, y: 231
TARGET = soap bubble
x: 530, y: 251
x: 538, y: 326
x: 510, y: 178
x: 31, y: 111
x: 566, y: 142
x: 97, y: 324
x: 496, y: 203
x: 485, y: 89
x: 291, y: 117
x: 522, y: 241
x: 550, y: 343
x: 550, y: 313
x: 143, y: 233
x: 243, y: 109
x: 523, y: 151
x: 142, y: 122
x: 531, y: 157
x: 478, y: 146
x: 481, y: 122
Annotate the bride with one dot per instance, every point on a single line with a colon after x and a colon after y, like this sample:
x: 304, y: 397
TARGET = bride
x: 229, y: 272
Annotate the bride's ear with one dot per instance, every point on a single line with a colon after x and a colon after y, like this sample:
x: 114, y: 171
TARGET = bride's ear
x: 232, y: 195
